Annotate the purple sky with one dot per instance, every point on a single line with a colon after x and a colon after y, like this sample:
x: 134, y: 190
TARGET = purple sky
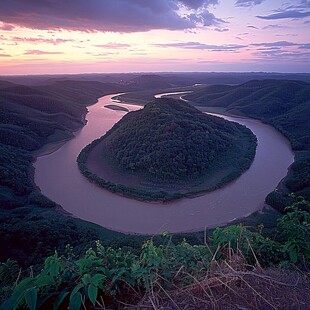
x: 75, y: 36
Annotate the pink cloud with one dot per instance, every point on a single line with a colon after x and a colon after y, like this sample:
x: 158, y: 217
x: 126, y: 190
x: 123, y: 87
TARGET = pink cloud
x: 38, y: 52
x: 113, y: 45
x: 40, y: 40
x: 6, y: 27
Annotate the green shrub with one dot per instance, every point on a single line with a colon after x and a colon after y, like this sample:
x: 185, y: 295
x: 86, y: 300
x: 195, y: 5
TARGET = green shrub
x: 105, y: 274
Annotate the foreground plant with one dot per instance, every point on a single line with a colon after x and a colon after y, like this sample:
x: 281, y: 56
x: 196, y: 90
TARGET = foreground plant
x: 113, y: 276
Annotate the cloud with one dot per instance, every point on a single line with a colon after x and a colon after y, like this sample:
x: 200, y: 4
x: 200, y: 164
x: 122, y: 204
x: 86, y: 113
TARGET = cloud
x: 276, y: 44
x: 113, y: 45
x: 202, y: 46
x: 99, y: 15
x: 305, y: 46
x: 281, y: 55
x: 282, y: 50
x: 5, y: 55
x: 287, y: 35
x: 39, y: 52
x: 275, y: 27
x: 195, y: 4
x: 205, y: 18
x: 253, y: 27
x: 221, y: 29
x: 247, y: 3
x: 103, y: 54
x: 6, y: 27
x: 40, y: 40
x: 285, y: 14
x: 273, y: 48
x: 304, y: 4
x: 210, y: 62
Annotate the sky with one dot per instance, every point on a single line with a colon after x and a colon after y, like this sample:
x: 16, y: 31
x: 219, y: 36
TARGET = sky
x: 107, y: 36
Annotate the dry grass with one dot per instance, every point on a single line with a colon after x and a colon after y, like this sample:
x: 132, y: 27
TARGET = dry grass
x: 234, y: 285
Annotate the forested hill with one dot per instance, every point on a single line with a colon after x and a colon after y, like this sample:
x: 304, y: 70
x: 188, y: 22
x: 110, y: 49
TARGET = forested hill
x: 285, y: 105
x: 257, y: 98
x: 170, y: 140
x: 30, y: 117
x: 33, y: 115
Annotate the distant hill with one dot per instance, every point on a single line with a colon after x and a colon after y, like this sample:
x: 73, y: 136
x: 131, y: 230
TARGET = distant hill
x: 173, y: 78
x: 170, y: 143
x: 5, y: 84
x: 151, y: 81
x: 30, y: 114
x: 285, y: 104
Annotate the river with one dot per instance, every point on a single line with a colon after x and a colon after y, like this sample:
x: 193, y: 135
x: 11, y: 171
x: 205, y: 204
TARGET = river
x: 59, y: 178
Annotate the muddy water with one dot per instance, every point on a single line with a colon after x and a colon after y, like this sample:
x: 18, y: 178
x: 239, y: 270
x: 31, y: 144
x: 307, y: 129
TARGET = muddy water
x: 58, y: 177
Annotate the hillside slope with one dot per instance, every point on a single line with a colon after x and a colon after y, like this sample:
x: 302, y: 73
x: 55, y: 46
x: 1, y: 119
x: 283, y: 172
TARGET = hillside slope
x: 283, y: 104
x: 30, y: 117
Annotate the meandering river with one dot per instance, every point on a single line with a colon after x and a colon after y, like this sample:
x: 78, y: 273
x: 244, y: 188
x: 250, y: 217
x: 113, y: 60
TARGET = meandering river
x: 58, y: 177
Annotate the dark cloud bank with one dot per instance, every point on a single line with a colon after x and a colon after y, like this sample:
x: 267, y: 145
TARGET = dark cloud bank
x: 294, y: 11
x: 103, y: 15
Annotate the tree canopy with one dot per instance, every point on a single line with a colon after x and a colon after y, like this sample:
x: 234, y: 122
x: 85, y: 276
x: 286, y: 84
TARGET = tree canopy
x: 169, y: 140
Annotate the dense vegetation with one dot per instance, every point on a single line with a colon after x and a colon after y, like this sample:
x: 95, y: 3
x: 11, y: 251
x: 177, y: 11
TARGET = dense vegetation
x: 30, y: 116
x: 105, y: 277
x: 283, y: 104
x: 171, y: 142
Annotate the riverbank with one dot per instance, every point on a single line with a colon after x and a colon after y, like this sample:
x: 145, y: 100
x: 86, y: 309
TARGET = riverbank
x: 228, y: 167
x: 87, y: 201
x: 32, y: 225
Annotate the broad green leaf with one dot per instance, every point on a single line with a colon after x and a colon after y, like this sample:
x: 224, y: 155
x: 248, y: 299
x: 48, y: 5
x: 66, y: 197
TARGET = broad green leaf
x: 43, y: 280
x: 97, y: 278
x: 13, y: 302
x: 86, y: 278
x: 31, y: 298
x: 54, y: 269
x: 75, y: 301
x: 24, y: 284
x: 92, y: 293
x: 76, y: 289
x: 119, y: 274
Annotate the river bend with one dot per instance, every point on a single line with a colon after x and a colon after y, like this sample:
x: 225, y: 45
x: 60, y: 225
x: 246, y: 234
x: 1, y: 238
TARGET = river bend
x: 59, y: 178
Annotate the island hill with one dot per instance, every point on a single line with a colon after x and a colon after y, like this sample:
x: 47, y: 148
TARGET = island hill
x: 168, y: 150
